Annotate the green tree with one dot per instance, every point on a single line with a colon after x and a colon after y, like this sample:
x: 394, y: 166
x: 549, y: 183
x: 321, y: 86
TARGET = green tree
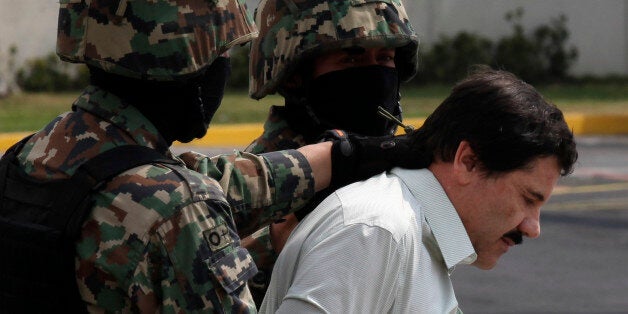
x: 517, y: 53
x: 555, y: 56
x: 239, y: 67
x: 450, y: 57
x: 49, y: 74
x: 539, y: 57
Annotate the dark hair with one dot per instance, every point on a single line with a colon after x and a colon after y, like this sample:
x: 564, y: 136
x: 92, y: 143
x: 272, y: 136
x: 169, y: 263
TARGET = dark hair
x: 506, y: 121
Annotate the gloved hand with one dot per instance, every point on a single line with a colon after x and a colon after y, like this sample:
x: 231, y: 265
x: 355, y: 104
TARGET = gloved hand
x: 356, y: 157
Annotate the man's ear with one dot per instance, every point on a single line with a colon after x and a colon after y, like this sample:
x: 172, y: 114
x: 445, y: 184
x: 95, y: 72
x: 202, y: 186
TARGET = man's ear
x: 465, y: 163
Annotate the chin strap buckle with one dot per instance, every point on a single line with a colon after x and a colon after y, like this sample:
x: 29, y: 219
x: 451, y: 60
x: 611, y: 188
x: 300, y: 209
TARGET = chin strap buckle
x: 382, y: 112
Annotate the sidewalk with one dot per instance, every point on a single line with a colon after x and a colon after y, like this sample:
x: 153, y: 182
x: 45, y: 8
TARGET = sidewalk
x: 240, y: 135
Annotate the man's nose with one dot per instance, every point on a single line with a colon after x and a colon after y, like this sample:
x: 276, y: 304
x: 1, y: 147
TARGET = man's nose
x: 531, y: 227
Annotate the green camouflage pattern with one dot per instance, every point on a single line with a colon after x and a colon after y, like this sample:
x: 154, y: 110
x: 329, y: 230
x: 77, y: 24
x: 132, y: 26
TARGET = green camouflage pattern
x: 157, y: 243
x: 151, y: 39
x: 274, y: 184
x: 261, y: 249
x: 277, y: 135
x: 291, y: 31
x: 162, y: 238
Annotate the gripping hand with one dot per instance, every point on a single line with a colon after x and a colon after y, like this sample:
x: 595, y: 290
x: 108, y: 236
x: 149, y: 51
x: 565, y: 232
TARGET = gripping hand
x: 356, y: 157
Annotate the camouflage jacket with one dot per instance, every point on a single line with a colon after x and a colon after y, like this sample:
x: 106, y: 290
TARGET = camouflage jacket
x: 162, y: 238
x: 277, y: 136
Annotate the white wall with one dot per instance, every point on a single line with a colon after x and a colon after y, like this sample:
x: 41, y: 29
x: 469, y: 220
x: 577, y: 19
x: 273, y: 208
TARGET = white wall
x: 599, y: 28
x: 31, y: 25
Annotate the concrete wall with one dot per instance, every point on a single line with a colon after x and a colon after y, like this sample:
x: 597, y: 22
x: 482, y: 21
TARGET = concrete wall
x: 31, y: 25
x: 599, y: 28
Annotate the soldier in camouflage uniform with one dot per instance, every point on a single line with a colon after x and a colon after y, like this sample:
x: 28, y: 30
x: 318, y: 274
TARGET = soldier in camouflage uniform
x: 162, y: 237
x: 334, y: 62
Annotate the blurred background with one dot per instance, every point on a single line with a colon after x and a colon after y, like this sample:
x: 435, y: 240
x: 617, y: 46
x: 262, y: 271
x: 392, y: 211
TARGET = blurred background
x: 540, y: 40
x: 574, y: 51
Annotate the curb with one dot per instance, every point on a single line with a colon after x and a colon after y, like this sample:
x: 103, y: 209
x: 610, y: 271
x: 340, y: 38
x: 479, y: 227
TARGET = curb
x: 240, y: 135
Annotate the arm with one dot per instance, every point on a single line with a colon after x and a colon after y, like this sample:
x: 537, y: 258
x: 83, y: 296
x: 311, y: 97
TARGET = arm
x: 138, y: 254
x: 319, y: 158
x: 263, y: 188
x: 194, y: 276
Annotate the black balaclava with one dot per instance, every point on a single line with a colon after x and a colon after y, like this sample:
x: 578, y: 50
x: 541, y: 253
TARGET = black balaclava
x: 180, y: 110
x: 347, y: 99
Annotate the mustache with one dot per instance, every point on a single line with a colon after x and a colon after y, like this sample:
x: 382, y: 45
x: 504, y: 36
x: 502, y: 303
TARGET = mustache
x: 515, y: 236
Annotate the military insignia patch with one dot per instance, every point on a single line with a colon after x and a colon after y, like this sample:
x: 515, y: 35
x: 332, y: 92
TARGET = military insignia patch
x: 218, y: 237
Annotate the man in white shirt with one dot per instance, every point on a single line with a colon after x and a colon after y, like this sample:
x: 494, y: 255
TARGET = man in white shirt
x: 390, y: 243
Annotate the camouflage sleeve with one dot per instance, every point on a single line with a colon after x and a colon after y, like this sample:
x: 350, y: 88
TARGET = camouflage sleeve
x: 206, y: 267
x: 259, y: 188
x: 260, y: 247
x: 143, y: 252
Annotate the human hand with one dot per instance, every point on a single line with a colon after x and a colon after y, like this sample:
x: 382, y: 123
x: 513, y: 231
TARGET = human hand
x: 356, y: 157
x: 280, y: 231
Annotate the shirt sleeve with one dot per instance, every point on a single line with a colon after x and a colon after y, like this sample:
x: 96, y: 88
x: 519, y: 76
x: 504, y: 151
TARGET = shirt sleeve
x: 259, y: 188
x: 346, y: 272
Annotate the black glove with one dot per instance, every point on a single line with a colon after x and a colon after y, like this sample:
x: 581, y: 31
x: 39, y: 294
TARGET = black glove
x: 356, y: 157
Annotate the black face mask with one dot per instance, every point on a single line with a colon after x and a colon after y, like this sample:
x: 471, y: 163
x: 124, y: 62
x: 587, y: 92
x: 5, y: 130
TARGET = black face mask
x: 348, y: 99
x: 200, y: 101
x: 180, y: 110
x: 211, y: 88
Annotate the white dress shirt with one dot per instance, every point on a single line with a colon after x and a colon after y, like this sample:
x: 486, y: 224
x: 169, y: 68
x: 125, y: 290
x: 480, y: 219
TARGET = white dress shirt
x: 385, y: 245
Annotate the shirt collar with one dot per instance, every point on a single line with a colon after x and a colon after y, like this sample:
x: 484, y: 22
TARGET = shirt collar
x: 441, y: 216
x: 112, y: 109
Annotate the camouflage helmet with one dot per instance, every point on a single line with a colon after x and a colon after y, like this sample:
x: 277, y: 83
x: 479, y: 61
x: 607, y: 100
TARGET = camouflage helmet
x: 294, y: 30
x: 151, y: 39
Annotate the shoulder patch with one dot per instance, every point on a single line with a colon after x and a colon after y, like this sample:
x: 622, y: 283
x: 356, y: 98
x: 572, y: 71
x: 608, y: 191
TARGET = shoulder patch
x: 218, y: 237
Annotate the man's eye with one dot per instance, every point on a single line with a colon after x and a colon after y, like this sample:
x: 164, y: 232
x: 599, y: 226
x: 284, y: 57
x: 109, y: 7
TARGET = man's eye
x: 349, y: 60
x: 528, y: 200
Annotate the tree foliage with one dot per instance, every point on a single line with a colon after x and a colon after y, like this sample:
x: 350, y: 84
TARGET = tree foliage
x: 49, y: 74
x: 540, y: 56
